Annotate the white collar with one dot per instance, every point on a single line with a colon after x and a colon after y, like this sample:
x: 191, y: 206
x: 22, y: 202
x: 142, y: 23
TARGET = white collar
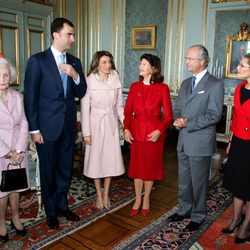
x: 56, y: 53
x: 199, y: 76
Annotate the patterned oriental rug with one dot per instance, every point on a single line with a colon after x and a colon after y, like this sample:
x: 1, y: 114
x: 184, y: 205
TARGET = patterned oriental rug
x: 39, y: 235
x: 162, y: 234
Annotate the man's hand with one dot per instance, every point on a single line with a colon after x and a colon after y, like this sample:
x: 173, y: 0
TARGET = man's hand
x: 69, y: 70
x: 180, y: 123
x: 37, y: 137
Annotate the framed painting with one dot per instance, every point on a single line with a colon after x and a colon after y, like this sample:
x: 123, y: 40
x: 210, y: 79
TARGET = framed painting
x: 143, y: 37
x: 237, y: 46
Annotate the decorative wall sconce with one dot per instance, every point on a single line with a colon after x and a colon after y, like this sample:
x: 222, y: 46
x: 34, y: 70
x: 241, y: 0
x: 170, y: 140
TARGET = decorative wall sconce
x: 217, y: 70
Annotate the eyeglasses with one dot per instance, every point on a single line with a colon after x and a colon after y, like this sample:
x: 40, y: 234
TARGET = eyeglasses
x: 243, y: 66
x: 191, y: 59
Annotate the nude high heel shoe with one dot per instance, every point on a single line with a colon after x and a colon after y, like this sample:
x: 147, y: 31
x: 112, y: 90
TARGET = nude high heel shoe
x: 99, y: 204
x: 107, y: 205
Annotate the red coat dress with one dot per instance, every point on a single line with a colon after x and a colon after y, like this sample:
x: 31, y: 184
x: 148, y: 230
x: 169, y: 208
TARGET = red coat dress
x: 241, y: 116
x: 148, y: 108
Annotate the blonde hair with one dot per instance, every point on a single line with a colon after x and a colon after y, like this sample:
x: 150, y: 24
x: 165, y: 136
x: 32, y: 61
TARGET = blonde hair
x: 8, y: 63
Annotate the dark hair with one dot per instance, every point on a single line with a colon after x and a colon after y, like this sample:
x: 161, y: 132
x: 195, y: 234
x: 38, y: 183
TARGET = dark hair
x: 202, y: 53
x: 155, y: 63
x: 58, y: 23
x: 96, y: 59
x: 247, y: 56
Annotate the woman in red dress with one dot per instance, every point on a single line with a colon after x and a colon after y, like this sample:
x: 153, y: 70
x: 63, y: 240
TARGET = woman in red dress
x: 148, y: 113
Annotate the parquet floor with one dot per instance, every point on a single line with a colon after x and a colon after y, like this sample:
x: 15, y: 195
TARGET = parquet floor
x: 115, y: 227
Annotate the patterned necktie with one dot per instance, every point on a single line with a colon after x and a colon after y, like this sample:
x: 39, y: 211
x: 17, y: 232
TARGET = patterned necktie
x: 193, y: 83
x: 64, y: 76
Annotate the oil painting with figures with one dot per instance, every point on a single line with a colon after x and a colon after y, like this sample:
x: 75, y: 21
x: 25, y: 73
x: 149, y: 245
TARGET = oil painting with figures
x: 238, y: 45
x: 239, y: 49
x: 143, y: 37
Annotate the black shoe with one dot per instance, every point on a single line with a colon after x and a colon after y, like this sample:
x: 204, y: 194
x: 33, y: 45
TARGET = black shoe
x: 176, y: 217
x: 192, y: 226
x: 4, y: 238
x: 18, y: 232
x: 227, y: 230
x: 53, y: 222
x: 69, y: 215
x: 238, y: 240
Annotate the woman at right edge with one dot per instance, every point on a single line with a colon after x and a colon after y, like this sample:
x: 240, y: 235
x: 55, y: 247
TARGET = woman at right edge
x: 148, y: 113
x: 237, y: 172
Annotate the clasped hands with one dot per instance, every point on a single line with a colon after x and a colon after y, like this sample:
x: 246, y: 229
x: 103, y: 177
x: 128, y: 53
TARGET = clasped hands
x: 180, y: 123
x: 14, y: 157
x: 152, y: 137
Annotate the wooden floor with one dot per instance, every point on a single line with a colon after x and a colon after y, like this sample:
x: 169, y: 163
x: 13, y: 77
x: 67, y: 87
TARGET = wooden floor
x: 115, y: 227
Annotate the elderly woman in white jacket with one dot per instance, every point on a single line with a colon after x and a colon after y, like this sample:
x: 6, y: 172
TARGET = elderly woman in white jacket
x: 102, y: 110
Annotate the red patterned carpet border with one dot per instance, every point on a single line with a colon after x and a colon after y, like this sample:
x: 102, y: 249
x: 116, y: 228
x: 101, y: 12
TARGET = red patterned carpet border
x: 213, y: 238
x: 40, y: 235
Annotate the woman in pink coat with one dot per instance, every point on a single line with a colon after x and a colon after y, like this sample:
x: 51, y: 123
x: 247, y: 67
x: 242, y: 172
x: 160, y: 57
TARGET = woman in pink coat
x: 13, y: 144
x: 101, y: 110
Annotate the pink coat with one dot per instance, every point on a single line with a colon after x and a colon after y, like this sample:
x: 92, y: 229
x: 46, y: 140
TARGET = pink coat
x: 101, y: 110
x: 13, y: 131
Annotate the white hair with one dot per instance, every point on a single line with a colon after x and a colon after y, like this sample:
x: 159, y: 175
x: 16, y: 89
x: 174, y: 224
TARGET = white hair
x: 7, y: 62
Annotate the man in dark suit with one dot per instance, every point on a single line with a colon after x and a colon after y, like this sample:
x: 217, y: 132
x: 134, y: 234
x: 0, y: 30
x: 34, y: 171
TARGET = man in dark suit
x: 53, y: 79
x: 197, y: 111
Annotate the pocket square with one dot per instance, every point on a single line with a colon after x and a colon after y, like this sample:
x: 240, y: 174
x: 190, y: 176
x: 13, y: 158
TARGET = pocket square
x: 201, y: 92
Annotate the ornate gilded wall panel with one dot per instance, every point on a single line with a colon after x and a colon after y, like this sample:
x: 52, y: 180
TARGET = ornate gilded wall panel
x: 10, y: 37
x: 24, y: 30
x: 35, y: 41
x: 8, y: 17
x: 10, y: 45
x: 36, y: 32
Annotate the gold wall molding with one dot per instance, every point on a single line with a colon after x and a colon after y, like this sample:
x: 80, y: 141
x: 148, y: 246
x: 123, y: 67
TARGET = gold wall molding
x: 180, y: 59
x: 204, y: 28
x: 1, y: 38
x: 15, y: 48
x: 29, y: 40
x: 228, y: 1
x: 169, y: 38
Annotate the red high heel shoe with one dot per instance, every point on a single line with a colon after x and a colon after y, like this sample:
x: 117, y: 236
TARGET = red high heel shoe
x: 133, y: 212
x: 145, y: 212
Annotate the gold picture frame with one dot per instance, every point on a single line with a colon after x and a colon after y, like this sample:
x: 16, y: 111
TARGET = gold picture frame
x: 143, y: 37
x: 237, y: 46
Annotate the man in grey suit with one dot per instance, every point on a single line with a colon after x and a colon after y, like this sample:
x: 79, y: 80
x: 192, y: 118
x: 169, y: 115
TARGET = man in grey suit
x: 197, y: 111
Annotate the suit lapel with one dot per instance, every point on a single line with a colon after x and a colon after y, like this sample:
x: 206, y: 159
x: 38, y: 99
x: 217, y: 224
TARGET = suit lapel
x: 200, y: 86
x: 50, y: 61
x: 243, y: 108
x: 11, y: 104
x: 3, y: 107
x: 69, y: 61
x: 141, y: 97
x: 12, y: 101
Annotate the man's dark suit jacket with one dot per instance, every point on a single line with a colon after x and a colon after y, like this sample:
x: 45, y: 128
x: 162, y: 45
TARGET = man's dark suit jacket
x: 45, y: 104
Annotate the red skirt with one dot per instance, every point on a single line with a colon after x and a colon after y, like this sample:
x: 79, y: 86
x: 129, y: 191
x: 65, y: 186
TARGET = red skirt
x: 146, y: 160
